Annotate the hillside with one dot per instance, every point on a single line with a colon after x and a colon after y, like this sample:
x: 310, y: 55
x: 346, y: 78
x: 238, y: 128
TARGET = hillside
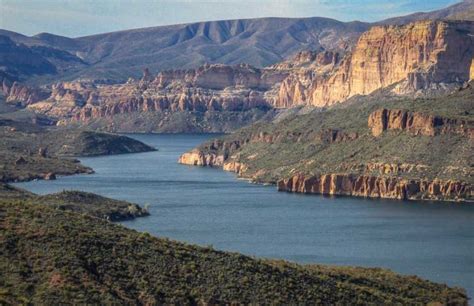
x: 29, y: 151
x: 50, y: 256
x: 119, y: 55
x: 371, y: 146
x: 463, y: 10
x: 259, y: 42
x: 424, y: 58
x: 77, y: 201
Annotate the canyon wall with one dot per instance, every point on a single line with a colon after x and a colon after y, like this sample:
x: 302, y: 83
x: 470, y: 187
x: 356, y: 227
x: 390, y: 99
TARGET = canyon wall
x: 21, y: 94
x: 424, y: 56
x: 377, y: 187
x: 207, y: 88
x: 417, y: 123
x: 418, y: 56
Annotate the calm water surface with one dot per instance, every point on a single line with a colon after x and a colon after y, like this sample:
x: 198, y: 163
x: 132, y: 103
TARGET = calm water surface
x: 211, y: 207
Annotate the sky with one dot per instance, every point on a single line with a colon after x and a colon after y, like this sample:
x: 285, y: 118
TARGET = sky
x: 76, y: 18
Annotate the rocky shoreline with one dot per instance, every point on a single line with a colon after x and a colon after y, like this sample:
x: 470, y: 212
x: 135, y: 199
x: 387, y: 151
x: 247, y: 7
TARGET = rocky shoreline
x: 346, y: 184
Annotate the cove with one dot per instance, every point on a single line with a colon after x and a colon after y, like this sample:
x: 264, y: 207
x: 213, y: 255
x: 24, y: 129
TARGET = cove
x: 211, y: 207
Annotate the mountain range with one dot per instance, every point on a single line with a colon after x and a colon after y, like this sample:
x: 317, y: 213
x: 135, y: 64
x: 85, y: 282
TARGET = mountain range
x: 116, y: 56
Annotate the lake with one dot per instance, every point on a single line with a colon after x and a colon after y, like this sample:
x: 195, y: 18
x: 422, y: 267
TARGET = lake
x: 211, y: 207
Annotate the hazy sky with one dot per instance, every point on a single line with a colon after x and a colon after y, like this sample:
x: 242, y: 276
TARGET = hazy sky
x: 84, y: 17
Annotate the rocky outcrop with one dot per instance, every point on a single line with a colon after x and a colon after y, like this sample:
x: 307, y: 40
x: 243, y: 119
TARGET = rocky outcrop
x: 50, y: 176
x: 417, y: 123
x: 331, y: 136
x: 377, y: 187
x: 199, y: 158
x: 207, y: 88
x: 235, y: 166
x: 22, y: 94
x: 418, y: 56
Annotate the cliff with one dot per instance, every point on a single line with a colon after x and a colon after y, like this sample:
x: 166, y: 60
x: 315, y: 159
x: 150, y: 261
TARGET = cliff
x: 423, y: 58
x: 347, y: 151
x: 22, y: 94
x: 417, y: 56
x: 417, y: 123
x: 377, y: 187
x: 206, y: 90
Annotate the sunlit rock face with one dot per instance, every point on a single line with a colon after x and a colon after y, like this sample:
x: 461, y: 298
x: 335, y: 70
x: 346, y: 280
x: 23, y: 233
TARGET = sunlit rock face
x: 417, y: 56
x: 376, y: 187
x: 417, y: 123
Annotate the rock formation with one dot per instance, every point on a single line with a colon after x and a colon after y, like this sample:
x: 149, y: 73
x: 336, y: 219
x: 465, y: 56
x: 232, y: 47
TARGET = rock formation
x: 417, y: 123
x: 376, y: 187
x: 416, y: 56
x: 420, y: 57
x: 22, y: 94
x: 208, y: 88
x: 471, y: 77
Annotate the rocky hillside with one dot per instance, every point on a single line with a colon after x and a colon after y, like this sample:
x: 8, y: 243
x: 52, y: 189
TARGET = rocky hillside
x: 395, y: 148
x: 423, y: 58
x: 78, y: 202
x: 29, y: 151
x: 426, y: 55
x: 119, y: 55
x: 51, y: 257
x: 464, y: 10
x: 259, y: 42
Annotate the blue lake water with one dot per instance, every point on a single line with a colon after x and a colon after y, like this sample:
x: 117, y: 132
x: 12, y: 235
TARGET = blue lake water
x: 211, y: 207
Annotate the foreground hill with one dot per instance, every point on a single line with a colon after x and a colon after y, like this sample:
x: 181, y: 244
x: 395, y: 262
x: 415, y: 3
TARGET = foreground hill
x: 371, y: 146
x: 50, y: 256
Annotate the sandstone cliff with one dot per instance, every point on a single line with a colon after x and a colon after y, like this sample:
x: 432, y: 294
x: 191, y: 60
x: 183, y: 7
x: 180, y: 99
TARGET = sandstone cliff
x: 417, y: 123
x: 423, y: 57
x: 208, y: 88
x: 345, y: 150
x: 376, y: 187
x: 22, y: 94
x: 417, y: 56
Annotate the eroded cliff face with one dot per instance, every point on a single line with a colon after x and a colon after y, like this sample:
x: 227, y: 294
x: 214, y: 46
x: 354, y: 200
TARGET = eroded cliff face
x: 22, y: 94
x: 372, y: 173
x: 418, y: 56
x: 417, y: 123
x: 208, y: 88
x: 376, y: 187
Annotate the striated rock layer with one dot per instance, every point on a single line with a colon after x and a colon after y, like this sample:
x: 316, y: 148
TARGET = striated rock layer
x: 208, y: 88
x: 376, y: 187
x: 422, y: 55
x: 417, y: 123
x: 351, y: 161
x: 426, y: 56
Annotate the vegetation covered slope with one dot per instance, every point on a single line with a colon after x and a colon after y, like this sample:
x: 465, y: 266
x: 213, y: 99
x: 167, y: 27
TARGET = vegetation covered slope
x: 259, y: 42
x: 79, y: 202
x: 29, y: 151
x: 339, y: 141
x: 49, y: 256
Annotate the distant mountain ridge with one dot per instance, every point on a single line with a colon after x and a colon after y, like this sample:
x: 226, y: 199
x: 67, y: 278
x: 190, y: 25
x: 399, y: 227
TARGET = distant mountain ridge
x: 260, y: 42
